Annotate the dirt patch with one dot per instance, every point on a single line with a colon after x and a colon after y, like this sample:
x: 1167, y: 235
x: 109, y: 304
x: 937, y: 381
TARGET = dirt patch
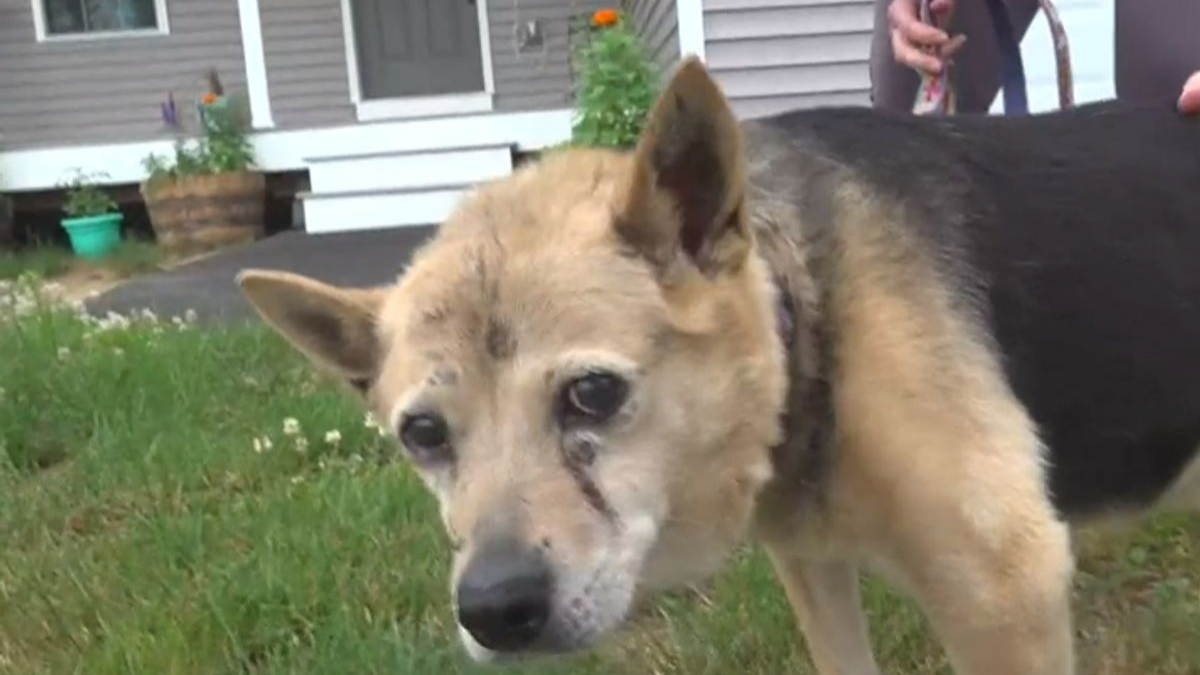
x: 82, y: 282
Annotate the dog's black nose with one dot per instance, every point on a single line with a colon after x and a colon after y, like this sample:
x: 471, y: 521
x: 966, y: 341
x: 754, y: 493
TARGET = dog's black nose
x: 504, y: 597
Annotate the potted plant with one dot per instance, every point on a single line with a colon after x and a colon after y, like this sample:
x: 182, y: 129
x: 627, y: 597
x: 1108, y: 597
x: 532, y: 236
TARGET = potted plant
x: 93, y: 221
x: 209, y: 193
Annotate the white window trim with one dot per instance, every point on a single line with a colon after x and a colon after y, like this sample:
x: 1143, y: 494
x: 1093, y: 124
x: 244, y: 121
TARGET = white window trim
x: 370, y: 110
x: 160, y: 18
x: 422, y: 106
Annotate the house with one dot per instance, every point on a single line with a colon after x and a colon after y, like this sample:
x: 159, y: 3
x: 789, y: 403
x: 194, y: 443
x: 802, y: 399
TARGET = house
x: 390, y: 108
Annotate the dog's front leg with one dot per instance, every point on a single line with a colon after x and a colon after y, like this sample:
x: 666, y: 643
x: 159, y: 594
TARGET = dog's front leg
x: 826, y: 599
x: 1000, y: 605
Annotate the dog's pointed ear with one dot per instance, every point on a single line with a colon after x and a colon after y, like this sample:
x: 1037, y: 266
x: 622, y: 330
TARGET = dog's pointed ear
x: 334, y: 327
x: 688, y: 190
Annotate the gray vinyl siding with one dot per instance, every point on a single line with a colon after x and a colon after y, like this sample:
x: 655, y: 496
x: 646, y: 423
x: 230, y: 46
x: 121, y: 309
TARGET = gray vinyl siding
x: 108, y: 90
x: 540, y: 78
x: 774, y: 55
x: 305, y: 49
x: 657, y: 23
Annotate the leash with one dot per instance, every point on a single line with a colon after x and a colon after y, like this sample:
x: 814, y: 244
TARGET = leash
x: 936, y: 94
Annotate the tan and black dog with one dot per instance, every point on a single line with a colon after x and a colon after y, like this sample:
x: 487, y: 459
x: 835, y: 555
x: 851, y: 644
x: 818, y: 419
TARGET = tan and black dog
x: 922, y: 346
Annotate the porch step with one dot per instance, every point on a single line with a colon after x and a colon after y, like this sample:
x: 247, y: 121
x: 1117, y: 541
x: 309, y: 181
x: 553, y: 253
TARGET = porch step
x: 396, y: 189
x: 386, y: 170
x: 377, y: 209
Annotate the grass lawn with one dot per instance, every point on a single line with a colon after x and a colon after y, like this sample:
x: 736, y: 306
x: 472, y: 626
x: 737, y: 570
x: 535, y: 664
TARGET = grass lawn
x: 160, y: 513
x: 49, y: 262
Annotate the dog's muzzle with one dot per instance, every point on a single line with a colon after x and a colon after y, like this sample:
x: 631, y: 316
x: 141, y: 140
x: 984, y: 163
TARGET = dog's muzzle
x: 504, y: 597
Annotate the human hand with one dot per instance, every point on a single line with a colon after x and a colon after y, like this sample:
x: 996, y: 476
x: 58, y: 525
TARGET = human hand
x: 917, y: 44
x: 1189, y: 100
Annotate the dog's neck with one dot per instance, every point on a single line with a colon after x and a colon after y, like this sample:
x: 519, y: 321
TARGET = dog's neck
x: 802, y: 459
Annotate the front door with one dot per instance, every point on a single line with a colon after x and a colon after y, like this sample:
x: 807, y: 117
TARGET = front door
x: 417, y: 47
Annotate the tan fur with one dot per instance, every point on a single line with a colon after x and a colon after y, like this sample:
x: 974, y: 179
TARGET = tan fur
x: 658, y: 265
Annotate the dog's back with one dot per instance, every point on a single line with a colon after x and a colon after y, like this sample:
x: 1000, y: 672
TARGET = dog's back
x: 1076, y: 238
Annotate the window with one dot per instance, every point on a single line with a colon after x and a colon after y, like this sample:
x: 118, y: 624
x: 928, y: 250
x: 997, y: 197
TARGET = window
x: 76, y: 18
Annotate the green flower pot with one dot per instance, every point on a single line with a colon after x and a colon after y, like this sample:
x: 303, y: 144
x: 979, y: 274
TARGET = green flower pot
x: 94, y: 236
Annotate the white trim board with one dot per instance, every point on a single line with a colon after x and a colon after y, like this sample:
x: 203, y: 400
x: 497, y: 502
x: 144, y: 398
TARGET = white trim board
x: 690, y: 14
x: 161, y: 20
x: 255, y: 58
x: 368, y: 110
x: 422, y: 106
x: 44, y: 168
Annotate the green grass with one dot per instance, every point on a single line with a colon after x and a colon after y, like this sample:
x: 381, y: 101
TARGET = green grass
x: 46, y: 262
x: 50, y: 262
x: 142, y: 533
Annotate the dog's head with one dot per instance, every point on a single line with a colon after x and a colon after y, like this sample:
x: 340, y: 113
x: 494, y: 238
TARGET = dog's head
x: 584, y: 368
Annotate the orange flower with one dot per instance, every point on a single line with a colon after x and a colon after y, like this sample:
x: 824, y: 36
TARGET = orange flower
x: 605, y: 17
x: 209, y: 98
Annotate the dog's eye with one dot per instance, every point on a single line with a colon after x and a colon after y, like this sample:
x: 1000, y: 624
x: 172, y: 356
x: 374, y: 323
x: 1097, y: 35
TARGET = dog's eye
x: 425, y: 435
x: 594, y: 398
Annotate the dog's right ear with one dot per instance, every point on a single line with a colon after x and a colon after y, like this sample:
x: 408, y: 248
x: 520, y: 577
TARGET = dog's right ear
x: 334, y: 327
x: 689, y: 181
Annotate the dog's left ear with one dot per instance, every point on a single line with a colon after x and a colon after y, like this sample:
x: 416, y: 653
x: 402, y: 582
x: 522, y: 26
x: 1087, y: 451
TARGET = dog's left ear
x: 334, y: 327
x: 688, y: 189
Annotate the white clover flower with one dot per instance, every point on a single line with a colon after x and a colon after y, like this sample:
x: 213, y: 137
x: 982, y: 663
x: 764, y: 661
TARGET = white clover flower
x: 291, y: 426
x: 63, y: 353
x: 262, y: 444
x: 369, y: 421
x: 333, y: 437
x: 190, y: 316
x: 301, y: 444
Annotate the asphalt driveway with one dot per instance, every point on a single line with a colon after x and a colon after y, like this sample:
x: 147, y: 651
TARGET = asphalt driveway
x: 207, y: 285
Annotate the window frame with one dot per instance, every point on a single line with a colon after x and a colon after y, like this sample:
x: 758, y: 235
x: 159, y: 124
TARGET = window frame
x: 43, y: 35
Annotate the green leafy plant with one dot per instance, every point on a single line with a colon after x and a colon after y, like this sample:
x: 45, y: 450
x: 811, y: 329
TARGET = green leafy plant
x: 618, y: 83
x: 85, y: 197
x: 223, y: 145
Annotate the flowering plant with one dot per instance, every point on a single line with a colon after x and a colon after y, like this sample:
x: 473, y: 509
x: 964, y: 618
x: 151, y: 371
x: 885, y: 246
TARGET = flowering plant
x: 618, y: 83
x: 85, y: 197
x: 223, y: 146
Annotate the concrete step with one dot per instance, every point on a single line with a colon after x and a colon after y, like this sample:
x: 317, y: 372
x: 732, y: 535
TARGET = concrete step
x: 376, y: 209
x: 409, y: 169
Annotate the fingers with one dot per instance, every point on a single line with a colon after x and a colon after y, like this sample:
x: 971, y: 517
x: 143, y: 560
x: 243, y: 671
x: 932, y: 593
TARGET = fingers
x: 904, y: 52
x: 1189, y: 100
x: 919, y: 45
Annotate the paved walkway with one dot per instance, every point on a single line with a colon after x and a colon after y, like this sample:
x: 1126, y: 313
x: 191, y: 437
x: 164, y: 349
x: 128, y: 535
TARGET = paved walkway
x: 207, y: 285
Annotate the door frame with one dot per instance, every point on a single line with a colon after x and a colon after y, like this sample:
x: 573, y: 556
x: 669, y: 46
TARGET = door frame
x: 419, y: 106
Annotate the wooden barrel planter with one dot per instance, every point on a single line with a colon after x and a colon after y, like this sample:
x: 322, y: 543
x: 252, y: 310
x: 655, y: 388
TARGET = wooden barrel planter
x: 206, y: 211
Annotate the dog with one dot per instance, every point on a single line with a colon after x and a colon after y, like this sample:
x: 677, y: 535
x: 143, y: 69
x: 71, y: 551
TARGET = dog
x: 929, y: 347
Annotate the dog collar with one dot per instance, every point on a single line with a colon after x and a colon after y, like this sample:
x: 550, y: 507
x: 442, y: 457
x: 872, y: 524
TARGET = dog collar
x: 785, y: 316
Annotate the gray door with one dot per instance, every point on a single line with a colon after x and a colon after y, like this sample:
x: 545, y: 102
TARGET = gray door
x: 417, y: 47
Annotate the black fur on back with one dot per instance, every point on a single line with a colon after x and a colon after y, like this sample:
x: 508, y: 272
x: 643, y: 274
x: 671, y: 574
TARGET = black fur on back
x: 1075, y: 236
